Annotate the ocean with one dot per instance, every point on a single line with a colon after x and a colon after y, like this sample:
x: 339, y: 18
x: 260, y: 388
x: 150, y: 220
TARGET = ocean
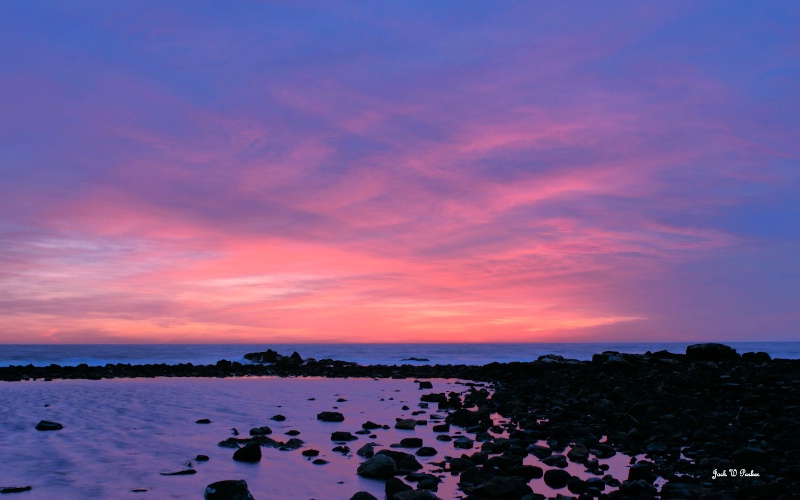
x: 390, y: 354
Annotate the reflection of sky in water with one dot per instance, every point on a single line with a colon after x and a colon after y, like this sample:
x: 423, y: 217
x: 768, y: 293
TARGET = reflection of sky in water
x: 121, y: 434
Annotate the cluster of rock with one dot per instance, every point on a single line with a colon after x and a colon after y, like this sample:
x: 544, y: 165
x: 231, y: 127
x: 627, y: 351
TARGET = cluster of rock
x: 686, y: 415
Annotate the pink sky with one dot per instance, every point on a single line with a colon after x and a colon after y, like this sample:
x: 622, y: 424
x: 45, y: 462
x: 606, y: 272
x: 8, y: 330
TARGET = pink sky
x: 407, y: 172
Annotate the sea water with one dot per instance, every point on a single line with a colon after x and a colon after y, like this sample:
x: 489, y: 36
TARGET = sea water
x: 391, y: 354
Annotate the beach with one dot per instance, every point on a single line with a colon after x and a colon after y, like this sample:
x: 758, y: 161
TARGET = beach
x: 655, y: 425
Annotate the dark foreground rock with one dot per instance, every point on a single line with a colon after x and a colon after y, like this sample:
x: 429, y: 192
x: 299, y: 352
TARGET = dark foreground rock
x: 14, y: 489
x: 232, y: 489
x: 378, y: 467
x: 251, y: 452
x: 46, y: 425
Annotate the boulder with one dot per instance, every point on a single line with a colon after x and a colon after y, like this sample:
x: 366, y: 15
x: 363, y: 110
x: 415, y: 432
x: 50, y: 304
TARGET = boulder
x: 711, y: 352
x: 578, y: 453
x: 556, y: 478
x: 426, y: 451
x: 412, y: 442
x: 395, y: 486
x: 251, y: 452
x: 342, y: 436
x: 366, y: 451
x: 46, y: 425
x: 260, y: 431
x: 378, y: 467
x: 363, y: 495
x: 406, y: 424
x: 330, y: 416
x: 231, y: 489
x: 403, y: 460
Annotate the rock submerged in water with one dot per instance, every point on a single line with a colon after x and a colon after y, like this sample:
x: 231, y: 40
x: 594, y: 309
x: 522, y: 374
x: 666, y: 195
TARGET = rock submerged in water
x: 231, y: 489
x: 46, y: 425
x: 14, y: 489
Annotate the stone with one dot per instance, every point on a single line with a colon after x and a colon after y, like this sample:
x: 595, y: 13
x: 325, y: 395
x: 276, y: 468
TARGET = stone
x: 310, y: 453
x: 184, y: 472
x: 425, y: 384
x: 370, y: 425
x: 203, y: 421
x: 556, y: 478
x: 231, y: 489
x: 412, y: 442
x: 426, y: 451
x: 251, y: 452
x: 260, y: 431
x: 682, y: 490
x: 378, y: 467
x: 711, y: 352
x: 460, y: 464
x: 559, y: 461
x: 278, y: 418
x: 319, y: 461
x: 578, y: 453
x: 201, y: 458
x: 415, y: 495
x: 363, y: 495
x: 14, y: 489
x: 407, y: 424
x: 366, y: 451
x: 394, y: 486
x: 404, y: 461
x: 330, y: 416
x: 46, y: 425
x: 463, y: 442
x: 342, y: 436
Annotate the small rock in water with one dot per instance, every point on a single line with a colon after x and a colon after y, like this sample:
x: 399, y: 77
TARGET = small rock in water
x: 319, y: 461
x: 14, y: 489
x: 201, y: 458
x: 330, y: 416
x: 46, y: 425
x: 292, y: 432
x: 425, y: 385
x: 228, y: 490
x: 251, y: 452
x: 203, y: 421
x: 406, y: 424
x: 139, y: 490
x: 310, y: 453
x: 260, y: 431
x: 278, y: 418
x: 378, y: 467
x: 184, y: 472
x: 363, y: 495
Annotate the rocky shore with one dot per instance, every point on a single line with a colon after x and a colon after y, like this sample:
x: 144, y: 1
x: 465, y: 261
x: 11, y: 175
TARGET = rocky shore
x: 709, y: 423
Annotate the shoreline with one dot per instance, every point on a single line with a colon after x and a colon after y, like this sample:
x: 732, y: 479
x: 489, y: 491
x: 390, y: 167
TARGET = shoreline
x: 694, y: 418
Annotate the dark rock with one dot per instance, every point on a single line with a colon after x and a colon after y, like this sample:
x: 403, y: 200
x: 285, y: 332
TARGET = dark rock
x: 201, y: 458
x: 295, y: 358
x: 602, y: 450
x: 559, y: 461
x: 556, y: 478
x: 184, y: 472
x: 412, y: 442
x: 463, y: 442
x: 203, y: 421
x: 344, y: 450
x: 319, y: 461
x: 460, y: 464
x: 310, y: 453
x: 260, y: 431
x: 682, y: 490
x: 756, y: 357
x: 426, y: 451
x: 251, y: 452
x: 330, y: 416
x: 502, y: 487
x: 268, y: 356
x: 378, y: 467
x: 415, y: 495
x: 278, y: 418
x: 406, y: 424
x: 642, y: 470
x: 292, y: 432
x: 370, y: 425
x: 441, y: 428
x: 637, y: 487
x: 404, y: 461
x: 578, y: 453
x: 711, y: 352
x: 228, y: 490
x: 46, y: 425
x: 395, y: 486
x: 366, y: 451
x: 343, y: 436
x: 363, y: 495
x: 434, y: 397
x: 750, y: 457
x: 425, y: 384
x: 14, y: 489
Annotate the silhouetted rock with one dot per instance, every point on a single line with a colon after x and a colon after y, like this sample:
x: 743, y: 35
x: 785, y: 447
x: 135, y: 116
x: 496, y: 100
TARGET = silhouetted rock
x: 330, y: 416
x: 378, y: 467
x: 46, y: 425
x: 232, y: 489
x: 711, y: 352
x: 556, y: 478
x: 251, y: 452
x: 260, y: 431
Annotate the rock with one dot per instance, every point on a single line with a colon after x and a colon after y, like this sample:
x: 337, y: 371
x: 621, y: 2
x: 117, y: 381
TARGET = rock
x: 642, y: 470
x: 268, y: 356
x: 344, y: 450
x: 366, y: 451
x: 434, y: 397
x: 395, y: 486
x: 711, y: 352
x: 403, y: 460
x: 750, y: 457
x: 407, y: 424
x: 46, y: 425
x: 412, y: 442
x: 330, y: 416
x: 378, y: 467
x: 363, y: 495
x: 460, y: 464
x: 14, y: 489
x: 578, y: 453
x: 310, y: 453
x: 502, y: 487
x: 203, y: 421
x: 682, y: 490
x: 184, y: 472
x: 260, y: 431
x: 441, y: 428
x: 370, y: 425
x: 201, y: 458
x: 556, y: 478
x: 415, y: 495
x: 425, y: 384
x: 342, y: 436
x: 278, y: 418
x: 602, y: 450
x: 295, y: 358
x: 559, y: 461
x: 756, y: 357
x: 426, y: 451
x: 463, y: 442
x: 231, y: 489
x: 251, y: 452
x: 319, y: 461
x: 637, y: 487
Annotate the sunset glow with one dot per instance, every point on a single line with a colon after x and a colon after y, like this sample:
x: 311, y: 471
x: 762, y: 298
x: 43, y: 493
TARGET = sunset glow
x: 399, y: 172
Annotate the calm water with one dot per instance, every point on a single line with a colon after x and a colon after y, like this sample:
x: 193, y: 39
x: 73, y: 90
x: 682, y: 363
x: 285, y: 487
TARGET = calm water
x: 470, y: 354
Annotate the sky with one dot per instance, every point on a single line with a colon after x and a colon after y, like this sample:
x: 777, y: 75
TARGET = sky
x: 399, y: 171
